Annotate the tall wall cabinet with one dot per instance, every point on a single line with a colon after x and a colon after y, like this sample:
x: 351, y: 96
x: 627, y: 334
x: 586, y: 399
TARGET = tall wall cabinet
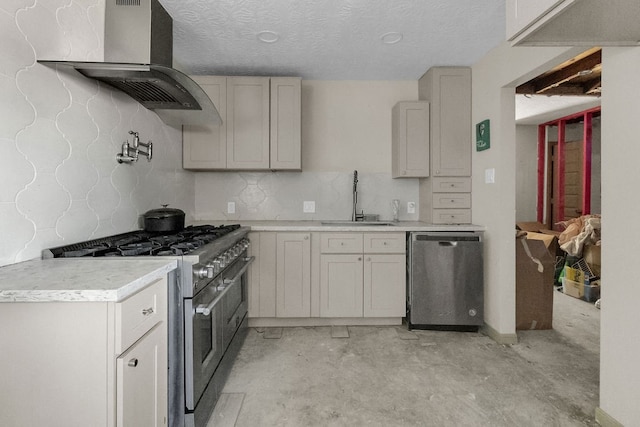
x: 260, y: 127
x: 445, y: 197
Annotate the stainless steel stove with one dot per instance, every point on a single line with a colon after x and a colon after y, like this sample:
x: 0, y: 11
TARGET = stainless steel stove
x: 207, y: 306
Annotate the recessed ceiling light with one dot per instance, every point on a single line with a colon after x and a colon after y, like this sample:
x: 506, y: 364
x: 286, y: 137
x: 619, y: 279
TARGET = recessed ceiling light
x: 391, y: 38
x: 268, y: 36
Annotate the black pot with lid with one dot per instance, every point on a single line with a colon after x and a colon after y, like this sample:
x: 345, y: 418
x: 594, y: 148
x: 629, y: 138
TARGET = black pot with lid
x: 164, y: 219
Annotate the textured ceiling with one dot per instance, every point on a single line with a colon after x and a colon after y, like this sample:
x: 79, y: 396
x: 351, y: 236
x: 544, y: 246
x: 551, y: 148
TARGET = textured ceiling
x: 332, y: 39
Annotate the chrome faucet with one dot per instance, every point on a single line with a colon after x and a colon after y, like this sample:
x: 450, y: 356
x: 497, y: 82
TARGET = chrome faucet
x: 355, y: 216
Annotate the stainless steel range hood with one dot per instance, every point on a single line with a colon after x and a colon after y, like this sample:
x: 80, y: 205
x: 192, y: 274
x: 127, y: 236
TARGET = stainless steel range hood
x: 138, y: 55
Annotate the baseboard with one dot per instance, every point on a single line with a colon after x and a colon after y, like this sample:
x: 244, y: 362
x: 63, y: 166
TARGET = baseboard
x: 606, y: 420
x: 266, y: 322
x: 507, y: 339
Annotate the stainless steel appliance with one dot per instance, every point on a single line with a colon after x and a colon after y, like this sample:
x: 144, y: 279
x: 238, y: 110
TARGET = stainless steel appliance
x: 445, y: 281
x: 207, y: 306
x: 138, y: 60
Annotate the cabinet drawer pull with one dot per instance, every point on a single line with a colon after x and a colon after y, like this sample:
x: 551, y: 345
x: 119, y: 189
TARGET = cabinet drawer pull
x: 133, y: 362
x: 147, y: 311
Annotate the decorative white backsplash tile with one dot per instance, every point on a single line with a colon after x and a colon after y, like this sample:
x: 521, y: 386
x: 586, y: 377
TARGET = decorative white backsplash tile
x: 16, y: 171
x: 280, y: 195
x: 60, y: 133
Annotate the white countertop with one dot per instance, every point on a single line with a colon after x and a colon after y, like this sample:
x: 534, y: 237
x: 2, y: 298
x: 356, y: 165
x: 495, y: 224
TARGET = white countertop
x: 402, y: 226
x: 80, y: 279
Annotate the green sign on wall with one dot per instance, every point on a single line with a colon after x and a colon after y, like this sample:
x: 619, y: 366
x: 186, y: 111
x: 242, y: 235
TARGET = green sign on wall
x: 483, y: 136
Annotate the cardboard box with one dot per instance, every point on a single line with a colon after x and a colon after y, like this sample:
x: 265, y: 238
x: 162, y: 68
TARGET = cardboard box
x: 578, y: 285
x: 530, y: 226
x: 549, y: 240
x: 534, y: 284
x: 581, y: 290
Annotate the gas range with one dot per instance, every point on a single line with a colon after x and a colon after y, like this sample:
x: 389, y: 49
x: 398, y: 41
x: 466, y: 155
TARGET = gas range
x: 203, y: 251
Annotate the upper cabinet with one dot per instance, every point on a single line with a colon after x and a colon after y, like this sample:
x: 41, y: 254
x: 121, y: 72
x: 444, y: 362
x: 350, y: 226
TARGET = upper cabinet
x: 410, y: 140
x: 285, y: 123
x: 260, y: 129
x: 573, y: 22
x: 448, y: 91
x: 248, y: 123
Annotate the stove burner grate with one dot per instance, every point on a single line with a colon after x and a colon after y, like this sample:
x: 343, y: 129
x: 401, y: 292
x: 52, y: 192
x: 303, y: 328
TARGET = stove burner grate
x: 142, y: 242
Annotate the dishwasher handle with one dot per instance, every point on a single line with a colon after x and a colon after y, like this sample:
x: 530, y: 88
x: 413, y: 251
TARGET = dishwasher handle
x: 448, y: 243
x: 446, y: 237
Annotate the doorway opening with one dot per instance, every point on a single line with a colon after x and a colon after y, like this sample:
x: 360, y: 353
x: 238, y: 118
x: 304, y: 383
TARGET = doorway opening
x: 568, y: 168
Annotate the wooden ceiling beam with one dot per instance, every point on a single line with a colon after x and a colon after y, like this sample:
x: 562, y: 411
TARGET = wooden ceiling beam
x: 556, y: 78
x: 593, y: 87
x: 565, y: 89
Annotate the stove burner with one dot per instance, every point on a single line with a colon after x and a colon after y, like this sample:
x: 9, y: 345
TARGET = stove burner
x: 141, y: 248
x: 184, y: 248
x: 88, y: 251
x: 166, y: 239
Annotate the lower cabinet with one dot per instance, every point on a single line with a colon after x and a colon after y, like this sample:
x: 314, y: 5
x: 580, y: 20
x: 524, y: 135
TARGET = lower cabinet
x: 86, y: 363
x: 341, y: 293
x: 384, y: 286
x: 280, y: 277
x: 370, y: 283
x: 293, y: 275
x: 325, y: 275
x: 142, y: 381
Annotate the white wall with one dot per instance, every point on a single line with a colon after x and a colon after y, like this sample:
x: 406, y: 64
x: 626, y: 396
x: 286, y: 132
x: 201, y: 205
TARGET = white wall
x: 619, y: 338
x: 60, y: 132
x: 346, y: 126
x: 526, y: 172
x: 493, y: 80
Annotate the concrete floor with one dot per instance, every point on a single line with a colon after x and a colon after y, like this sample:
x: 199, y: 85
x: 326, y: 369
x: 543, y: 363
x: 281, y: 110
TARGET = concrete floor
x: 388, y: 376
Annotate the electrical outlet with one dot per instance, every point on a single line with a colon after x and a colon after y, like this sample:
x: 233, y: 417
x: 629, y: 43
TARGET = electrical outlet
x: 231, y: 207
x: 411, y: 207
x: 309, y: 206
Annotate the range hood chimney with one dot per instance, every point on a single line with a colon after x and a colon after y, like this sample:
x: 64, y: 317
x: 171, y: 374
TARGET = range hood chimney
x: 138, y: 60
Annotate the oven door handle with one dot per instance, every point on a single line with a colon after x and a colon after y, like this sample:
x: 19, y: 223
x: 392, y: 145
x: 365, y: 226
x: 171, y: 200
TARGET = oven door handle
x: 227, y: 282
x: 205, y: 310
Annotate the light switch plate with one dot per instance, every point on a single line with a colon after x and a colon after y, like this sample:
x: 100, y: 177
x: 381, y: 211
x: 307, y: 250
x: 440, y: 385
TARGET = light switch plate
x: 309, y: 206
x: 411, y: 207
x: 490, y: 176
x: 231, y: 207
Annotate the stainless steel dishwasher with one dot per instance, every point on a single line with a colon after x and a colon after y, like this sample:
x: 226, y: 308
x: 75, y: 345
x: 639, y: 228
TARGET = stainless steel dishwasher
x: 445, y: 281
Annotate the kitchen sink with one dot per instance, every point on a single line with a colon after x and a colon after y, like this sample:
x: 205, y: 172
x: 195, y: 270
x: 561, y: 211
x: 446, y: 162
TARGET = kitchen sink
x: 355, y: 223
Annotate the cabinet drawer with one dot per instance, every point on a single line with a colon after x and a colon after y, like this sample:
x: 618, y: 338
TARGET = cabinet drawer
x: 384, y: 243
x: 139, y: 313
x: 451, y: 185
x: 340, y: 243
x: 451, y: 200
x: 452, y: 216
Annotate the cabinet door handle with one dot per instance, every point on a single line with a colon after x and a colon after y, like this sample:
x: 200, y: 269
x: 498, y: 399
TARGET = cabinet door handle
x: 147, y: 311
x: 133, y: 362
x: 306, y: 237
x: 359, y: 258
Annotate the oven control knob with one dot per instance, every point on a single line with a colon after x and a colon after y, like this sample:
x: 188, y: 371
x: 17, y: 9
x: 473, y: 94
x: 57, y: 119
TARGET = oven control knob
x: 222, y: 260
x: 216, y: 266
x: 205, y: 272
